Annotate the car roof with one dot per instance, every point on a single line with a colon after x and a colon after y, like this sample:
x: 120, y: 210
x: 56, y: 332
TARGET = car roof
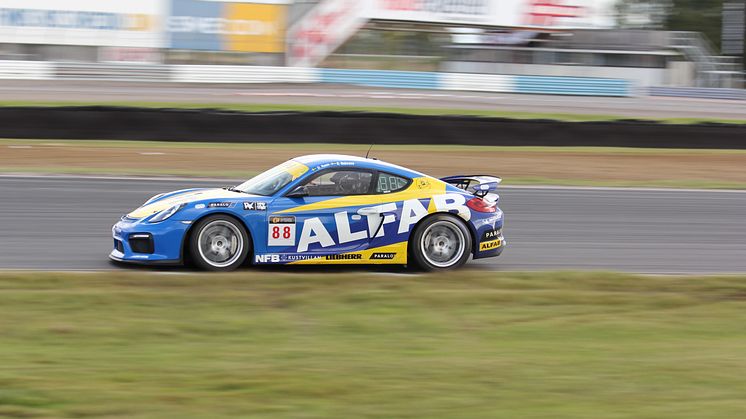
x: 317, y: 161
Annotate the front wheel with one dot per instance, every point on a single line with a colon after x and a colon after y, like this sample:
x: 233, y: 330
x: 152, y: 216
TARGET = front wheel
x: 219, y: 243
x: 441, y: 242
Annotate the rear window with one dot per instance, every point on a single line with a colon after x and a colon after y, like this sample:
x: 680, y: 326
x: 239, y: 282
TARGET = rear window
x: 388, y: 183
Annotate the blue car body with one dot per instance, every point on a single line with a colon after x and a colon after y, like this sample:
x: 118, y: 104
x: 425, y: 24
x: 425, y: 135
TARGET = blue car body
x: 356, y: 229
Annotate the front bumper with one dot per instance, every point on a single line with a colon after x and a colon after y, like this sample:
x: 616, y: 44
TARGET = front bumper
x: 167, y: 241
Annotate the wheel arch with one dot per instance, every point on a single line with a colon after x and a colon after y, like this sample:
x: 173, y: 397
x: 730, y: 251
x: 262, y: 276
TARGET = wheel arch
x: 469, y: 227
x: 188, y: 235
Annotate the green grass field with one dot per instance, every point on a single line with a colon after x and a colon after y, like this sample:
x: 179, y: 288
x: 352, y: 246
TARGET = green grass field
x: 289, y: 345
x: 94, y: 167
x: 412, y: 111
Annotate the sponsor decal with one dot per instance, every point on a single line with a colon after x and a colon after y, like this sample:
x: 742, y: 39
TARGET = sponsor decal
x: 424, y: 184
x: 267, y: 258
x: 490, y: 235
x: 282, y: 219
x: 275, y: 258
x: 282, y: 230
x: 219, y: 205
x: 200, y: 206
x: 490, y: 245
x: 383, y: 256
x: 314, y: 232
x: 255, y: 206
x: 352, y: 256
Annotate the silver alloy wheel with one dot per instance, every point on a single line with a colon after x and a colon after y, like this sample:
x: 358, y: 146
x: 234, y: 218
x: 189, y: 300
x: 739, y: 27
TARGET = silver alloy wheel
x: 220, y: 243
x: 443, y: 244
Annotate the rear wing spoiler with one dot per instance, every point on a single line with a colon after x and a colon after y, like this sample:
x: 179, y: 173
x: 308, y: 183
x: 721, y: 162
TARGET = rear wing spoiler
x: 479, y: 185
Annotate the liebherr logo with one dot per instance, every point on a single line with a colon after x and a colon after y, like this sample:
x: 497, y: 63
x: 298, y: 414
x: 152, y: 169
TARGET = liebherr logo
x: 344, y: 257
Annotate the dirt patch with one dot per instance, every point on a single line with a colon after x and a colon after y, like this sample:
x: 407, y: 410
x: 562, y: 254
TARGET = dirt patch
x: 602, y: 166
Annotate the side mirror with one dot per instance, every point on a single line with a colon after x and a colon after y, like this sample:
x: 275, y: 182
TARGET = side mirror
x: 299, y: 192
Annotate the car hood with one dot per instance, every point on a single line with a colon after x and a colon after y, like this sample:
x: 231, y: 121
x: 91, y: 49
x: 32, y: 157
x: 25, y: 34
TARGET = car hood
x: 187, y: 197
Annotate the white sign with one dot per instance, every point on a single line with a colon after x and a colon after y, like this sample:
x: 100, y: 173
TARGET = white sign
x: 116, y: 23
x: 554, y: 14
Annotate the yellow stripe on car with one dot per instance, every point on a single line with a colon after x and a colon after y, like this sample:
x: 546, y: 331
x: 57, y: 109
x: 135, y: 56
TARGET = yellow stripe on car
x: 210, y: 194
x: 394, y: 254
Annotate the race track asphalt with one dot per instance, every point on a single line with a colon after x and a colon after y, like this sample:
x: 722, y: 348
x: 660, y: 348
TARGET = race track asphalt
x: 355, y: 96
x: 63, y: 223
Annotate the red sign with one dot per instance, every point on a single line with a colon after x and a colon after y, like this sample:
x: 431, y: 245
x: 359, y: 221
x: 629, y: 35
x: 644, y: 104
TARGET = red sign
x: 548, y: 12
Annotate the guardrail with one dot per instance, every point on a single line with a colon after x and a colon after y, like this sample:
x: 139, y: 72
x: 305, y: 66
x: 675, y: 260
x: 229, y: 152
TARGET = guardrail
x: 242, y: 74
x: 699, y: 93
x: 112, y: 72
x: 26, y: 70
x: 579, y: 86
x: 572, y: 86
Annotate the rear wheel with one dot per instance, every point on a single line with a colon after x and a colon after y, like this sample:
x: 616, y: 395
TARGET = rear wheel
x: 441, y: 242
x: 219, y: 243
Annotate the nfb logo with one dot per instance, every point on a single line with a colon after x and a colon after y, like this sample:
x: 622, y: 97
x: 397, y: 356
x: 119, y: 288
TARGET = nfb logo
x: 267, y: 258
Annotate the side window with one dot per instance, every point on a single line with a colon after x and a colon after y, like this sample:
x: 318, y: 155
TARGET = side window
x: 340, y: 183
x: 388, y: 183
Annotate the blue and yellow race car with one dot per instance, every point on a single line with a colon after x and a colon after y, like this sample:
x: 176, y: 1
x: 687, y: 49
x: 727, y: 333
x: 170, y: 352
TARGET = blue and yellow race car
x: 320, y: 209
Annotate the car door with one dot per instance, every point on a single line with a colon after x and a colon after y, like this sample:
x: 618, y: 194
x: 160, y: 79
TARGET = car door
x: 319, y: 217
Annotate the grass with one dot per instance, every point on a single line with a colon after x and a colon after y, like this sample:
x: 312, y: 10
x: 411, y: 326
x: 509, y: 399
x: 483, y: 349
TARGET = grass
x: 290, y: 345
x: 90, y: 157
x: 410, y: 111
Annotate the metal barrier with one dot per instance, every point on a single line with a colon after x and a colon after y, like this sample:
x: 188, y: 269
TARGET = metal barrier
x: 698, y: 93
x: 375, y: 78
x: 580, y: 86
x: 477, y: 82
x: 242, y: 74
x: 26, y: 70
x: 113, y: 72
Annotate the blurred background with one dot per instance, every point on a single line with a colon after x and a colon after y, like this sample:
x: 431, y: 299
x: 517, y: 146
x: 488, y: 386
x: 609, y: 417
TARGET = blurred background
x: 657, y: 43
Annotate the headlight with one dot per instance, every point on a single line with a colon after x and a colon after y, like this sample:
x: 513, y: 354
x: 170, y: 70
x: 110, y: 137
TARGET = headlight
x: 166, y: 214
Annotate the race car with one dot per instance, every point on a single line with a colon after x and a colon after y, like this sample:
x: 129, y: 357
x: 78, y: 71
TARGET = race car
x: 319, y: 209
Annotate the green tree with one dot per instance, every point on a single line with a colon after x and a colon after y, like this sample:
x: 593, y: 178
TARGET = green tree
x: 703, y: 16
x: 698, y: 16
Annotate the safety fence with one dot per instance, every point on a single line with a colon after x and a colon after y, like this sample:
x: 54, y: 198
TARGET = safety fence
x: 123, y: 123
x: 699, y: 93
x: 578, y: 86
x: 31, y: 70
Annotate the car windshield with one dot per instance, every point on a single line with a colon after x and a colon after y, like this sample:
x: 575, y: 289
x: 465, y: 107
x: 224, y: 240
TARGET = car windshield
x: 274, y: 179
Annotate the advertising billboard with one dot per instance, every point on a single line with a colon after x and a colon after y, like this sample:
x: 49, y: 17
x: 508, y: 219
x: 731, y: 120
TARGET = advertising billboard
x: 332, y: 22
x: 226, y: 26
x: 131, y: 23
x: 556, y: 14
x: 324, y: 29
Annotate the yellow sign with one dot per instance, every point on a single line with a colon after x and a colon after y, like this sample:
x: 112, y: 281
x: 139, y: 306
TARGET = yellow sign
x: 255, y: 27
x: 491, y: 245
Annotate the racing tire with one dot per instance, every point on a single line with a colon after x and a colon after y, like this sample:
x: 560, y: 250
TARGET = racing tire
x: 219, y: 243
x: 441, y: 242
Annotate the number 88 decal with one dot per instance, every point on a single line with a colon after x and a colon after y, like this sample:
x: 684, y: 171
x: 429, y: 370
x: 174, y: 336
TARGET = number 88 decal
x: 281, y: 231
x: 286, y: 232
